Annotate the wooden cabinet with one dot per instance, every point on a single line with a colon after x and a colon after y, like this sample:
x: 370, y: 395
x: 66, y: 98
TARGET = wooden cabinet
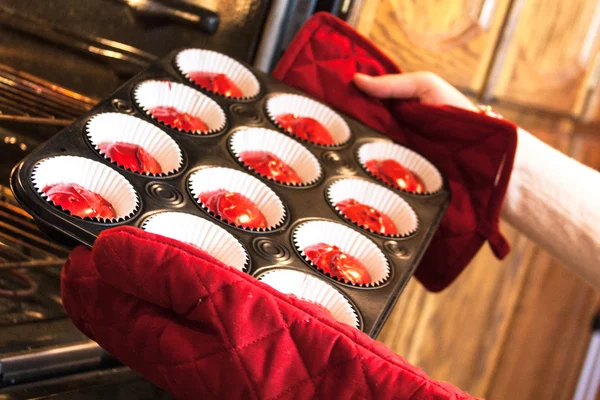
x: 456, y: 335
x: 517, y: 328
x: 547, y: 55
x: 453, y: 38
x: 591, y: 112
x: 540, y: 54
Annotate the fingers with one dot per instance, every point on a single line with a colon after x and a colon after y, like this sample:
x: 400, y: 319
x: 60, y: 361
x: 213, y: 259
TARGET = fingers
x: 424, y: 86
x: 397, y: 86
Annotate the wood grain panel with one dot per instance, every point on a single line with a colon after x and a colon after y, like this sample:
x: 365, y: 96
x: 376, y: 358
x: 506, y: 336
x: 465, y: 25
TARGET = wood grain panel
x: 554, y: 130
x: 591, y: 98
x: 548, y: 337
x: 456, y: 335
x: 592, y: 111
x: 452, y: 38
x: 549, y: 55
x: 586, y: 148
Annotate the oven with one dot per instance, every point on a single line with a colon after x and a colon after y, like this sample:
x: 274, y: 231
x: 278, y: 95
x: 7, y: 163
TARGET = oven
x: 57, y: 59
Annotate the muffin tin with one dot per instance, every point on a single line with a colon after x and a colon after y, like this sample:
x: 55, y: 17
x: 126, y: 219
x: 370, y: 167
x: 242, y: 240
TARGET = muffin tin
x: 200, y: 161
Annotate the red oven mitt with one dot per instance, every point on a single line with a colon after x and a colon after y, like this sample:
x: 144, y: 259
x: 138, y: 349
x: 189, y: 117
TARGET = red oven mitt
x: 473, y: 151
x: 200, y: 329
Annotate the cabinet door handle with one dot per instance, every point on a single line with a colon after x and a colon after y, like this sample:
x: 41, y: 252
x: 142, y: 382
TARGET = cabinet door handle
x: 594, y: 78
x: 486, y: 14
x: 590, y: 38
x: 591, y: 103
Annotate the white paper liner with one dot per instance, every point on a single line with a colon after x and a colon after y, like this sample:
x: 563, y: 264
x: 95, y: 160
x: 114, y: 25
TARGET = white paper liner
x: 305, y: 107
x: 307, y: 287
x: 210, y: 237
x: 93, y: 176
x: 199, y: 60
x: 152, y: 94
x: 215, y: 178
x: 383, y: 200
x: 349, y: 241
x: 295, y: 155
x: 431, y: 177
x: 115, y: 127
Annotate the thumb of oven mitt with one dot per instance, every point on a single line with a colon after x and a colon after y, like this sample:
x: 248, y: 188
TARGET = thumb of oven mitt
x: 200, y: 329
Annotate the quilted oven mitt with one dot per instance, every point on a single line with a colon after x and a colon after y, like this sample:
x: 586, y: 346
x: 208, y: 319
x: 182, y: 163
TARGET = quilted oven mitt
x: 473, y: 151
x: 200, y: 329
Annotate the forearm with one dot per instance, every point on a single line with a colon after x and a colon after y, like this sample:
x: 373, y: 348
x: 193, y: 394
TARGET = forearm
x: 555, y: 201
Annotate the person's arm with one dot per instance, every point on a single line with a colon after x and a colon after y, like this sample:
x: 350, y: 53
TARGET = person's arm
x: 555, y: 201
x: 551, y: 198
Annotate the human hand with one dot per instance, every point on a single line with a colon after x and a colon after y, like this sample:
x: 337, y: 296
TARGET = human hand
x: 424, y: 86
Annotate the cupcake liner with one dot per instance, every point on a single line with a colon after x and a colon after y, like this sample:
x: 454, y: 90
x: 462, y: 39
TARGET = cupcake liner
x: 302, y: 161
x: 431, y: 177
x: 215, y: 178
x: 93, y: 176
x: 199, y: 60
x: 204, y: 234
x: 305, y: 107
x: 115, y: 127
x: 383, y: 200
x: 152, y: 94
x: 310, y: 288
x: 349, y: 241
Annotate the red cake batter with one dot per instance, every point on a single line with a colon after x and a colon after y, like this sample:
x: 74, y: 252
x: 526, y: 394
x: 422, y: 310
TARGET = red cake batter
x: 131, y: 156
x: 305, y: 128
x: 395, y: 174
x: 367, y: 217
x: 79, y: 201
x: 179, y: 120
x: 269, y: 165
x: 234, y: 208
x: 215, y: 82
x: 332, y: 260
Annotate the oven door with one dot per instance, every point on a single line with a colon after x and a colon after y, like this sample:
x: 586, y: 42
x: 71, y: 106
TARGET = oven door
x: 57, y: 59
x: 91, y: 46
